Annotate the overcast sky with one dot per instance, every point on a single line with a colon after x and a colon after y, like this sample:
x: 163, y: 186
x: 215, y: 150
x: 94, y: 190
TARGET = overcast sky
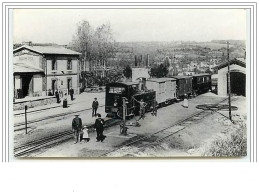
x: 59, y: 25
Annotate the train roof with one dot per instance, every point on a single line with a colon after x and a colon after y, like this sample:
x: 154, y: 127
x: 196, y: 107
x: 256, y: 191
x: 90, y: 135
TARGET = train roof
x: 123, y: 83
x: 160, y: 80
x: 203, y: 74
x: 181, y: 77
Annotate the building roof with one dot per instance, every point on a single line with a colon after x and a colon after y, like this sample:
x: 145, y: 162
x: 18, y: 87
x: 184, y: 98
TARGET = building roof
x: 237, y: 61
x: 48, y: 50
x: 160, y: 80
x: 26, y: 68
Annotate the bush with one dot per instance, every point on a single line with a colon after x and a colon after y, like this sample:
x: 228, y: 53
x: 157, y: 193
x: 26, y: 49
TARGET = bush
x: 232, y: 144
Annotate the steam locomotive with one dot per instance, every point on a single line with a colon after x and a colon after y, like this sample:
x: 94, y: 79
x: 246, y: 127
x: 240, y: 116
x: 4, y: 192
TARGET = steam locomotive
x: 162, y: 90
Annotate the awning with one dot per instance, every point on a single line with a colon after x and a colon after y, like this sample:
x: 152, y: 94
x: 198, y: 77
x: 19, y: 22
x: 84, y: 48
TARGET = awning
x: 25, y: 68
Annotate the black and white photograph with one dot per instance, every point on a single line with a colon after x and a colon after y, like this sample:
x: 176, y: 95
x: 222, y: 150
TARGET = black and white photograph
x: 130, y: 83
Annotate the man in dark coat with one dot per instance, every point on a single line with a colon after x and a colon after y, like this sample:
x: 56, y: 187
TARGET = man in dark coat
x: 57, y: 96
x: 71, y: 93
x: 99, y: 122
x: 76, y: 128
x: 95, y: 105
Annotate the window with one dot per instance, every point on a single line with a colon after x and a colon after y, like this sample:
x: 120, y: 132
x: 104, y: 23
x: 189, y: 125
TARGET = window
x: 116, y: 90
x: 69, y: 64
x: 54, y: 65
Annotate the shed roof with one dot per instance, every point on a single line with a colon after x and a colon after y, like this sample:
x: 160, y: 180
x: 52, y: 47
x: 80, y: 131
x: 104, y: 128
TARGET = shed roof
x: 237, y: 61
x: 26, y: 68
x: 48, y: 50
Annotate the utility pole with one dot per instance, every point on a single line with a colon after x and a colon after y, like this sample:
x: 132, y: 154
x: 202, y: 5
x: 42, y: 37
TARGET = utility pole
x: 229, y: 87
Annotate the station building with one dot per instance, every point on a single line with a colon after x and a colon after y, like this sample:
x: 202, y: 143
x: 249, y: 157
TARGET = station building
x: 237, y: 77
x: 40, y: 69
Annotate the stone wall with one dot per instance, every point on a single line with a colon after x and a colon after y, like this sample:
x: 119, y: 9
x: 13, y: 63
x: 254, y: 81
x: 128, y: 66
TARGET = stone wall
x: 34, y: 103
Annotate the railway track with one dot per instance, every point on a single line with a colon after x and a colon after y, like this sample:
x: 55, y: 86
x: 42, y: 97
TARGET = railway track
x: 145, y: 141
x: 28, y: 148
x: 164, y: 133
x: 49, y: 117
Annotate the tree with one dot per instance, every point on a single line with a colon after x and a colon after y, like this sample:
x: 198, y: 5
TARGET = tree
x: 96, y: 45
x: 159, y: 71
x: 127, y: 72
x: 83, y: 40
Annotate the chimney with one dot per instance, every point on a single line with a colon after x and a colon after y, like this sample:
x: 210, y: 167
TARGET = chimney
x: 147, y: 61
x: 136, y: 60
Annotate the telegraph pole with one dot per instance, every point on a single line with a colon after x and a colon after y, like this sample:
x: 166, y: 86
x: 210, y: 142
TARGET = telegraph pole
x: 229, y: 87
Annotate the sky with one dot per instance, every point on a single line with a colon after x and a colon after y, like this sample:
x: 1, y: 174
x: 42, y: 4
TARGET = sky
x: 59, y: 25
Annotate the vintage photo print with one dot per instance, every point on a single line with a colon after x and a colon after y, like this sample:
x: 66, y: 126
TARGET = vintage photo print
x: 130, y: 83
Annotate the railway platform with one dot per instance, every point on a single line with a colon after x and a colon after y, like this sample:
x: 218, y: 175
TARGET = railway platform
x: 49, y: 119
x: 167, y: 116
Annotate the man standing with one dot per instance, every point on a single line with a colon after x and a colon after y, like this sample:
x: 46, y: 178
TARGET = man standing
x: 142, y: 106
x: 154, y: 108
x: 76, y: 127
x: 71, y: 93
x: 57, y: 96
x: 99, y: 122
x: 95, y: 105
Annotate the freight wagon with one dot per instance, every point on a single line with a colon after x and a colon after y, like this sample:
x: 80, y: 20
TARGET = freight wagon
x: 184, y: 86
x: 165, y: 89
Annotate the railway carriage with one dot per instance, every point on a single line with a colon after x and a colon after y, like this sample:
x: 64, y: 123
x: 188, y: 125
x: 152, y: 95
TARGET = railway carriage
x: 165, y: 89
x: 201, y: 83
x: 114, y: 98
x: 183, y: 86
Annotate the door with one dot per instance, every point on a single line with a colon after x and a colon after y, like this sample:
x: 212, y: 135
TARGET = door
x: 238, y: 83
x: 26, y: 82
x: 54, y: 86
x: 69, y: 84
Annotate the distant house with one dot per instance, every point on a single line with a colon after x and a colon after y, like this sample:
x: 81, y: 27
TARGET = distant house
x: 40, y: 69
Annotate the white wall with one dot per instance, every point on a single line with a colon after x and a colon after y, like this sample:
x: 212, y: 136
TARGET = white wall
x: 17, y: 82
x: 139, y: 72
x: 33, y: 60
x: 222, y: 78
x: 62, y: 82
x: 37, y: 83
x: 61, y: 66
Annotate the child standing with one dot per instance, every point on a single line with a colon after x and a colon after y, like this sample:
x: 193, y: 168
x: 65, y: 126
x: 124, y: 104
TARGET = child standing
x: 85, y: 134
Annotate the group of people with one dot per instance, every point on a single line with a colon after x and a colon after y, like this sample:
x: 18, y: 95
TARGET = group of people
x: 142, y: 108
x: 81, y: 133
x: 59, y: 94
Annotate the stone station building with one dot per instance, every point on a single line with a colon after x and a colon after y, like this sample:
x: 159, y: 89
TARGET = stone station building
x: 40, y: 69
